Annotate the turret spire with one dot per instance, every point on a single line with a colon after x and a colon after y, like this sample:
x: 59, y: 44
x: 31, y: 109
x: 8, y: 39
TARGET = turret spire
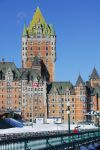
x: 94, y: 74
x: 25, y: 33
x: 80, y: 81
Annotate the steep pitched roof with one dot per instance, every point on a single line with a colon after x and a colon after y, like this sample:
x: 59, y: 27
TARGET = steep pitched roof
x: 79, y: 81
x: 38, y: 19
x: 94, y: 74
x: 25, y: 32
x: 5, y: 65
x: 60, y: 87
x: 52, y: 29
x: 28, y: 73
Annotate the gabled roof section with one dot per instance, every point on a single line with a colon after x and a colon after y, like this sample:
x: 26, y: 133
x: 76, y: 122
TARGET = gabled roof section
x: 38, y: 21
x: 28, y: 73
x: 5, y: 65
x: 94, y: 74
x: 79, y: 81
x: 36, y: 61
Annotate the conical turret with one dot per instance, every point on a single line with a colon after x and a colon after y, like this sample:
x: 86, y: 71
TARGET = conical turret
x: 25, y: 32
x: 94, y: 74
x: 80, y: 81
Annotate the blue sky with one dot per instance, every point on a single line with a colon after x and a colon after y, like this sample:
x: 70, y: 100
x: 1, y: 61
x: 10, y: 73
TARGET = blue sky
x: 77, y: 25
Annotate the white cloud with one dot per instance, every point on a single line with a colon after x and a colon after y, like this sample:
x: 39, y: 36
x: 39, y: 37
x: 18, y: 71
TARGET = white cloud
x: 21, y: 16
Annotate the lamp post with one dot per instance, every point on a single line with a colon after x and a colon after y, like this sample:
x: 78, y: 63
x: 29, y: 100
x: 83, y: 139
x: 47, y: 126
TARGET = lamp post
x: 97, y: 115
x: 68, y: 112
x: 38, y: 79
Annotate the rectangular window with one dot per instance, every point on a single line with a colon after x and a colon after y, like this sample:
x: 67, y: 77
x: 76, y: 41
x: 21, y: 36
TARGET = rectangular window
x: 38, y: 48
x: 62, y: 117
x: 59, y: 105
x: 62, y: 111
x: 46, y: 54
x: 30, y: 114
x: 41, y: 89
x: 46, y: 48
x: 91, y: 105
x: 81, y: 92
x: 62, y: 99
x: 59, y: 99
x: 62, y: 105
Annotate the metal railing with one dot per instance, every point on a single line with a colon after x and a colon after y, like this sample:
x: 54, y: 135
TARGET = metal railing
x: 48, y: 140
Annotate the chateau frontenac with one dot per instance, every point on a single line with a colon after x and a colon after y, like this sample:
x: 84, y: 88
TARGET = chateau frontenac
x: 32, y: 91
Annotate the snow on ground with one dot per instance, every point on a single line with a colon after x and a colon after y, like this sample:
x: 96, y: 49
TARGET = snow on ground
x: 44, y: 127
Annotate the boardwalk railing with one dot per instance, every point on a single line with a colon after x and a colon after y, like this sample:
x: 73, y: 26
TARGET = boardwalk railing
x: 48, y: 140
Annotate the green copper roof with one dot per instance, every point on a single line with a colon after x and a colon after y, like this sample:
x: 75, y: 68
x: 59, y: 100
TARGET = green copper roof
x: 25, y: 33
x: 28, y: 73
x: 52, y: 32
x: 4, y: 67
x: 38, y: 22
x: 60, y: 87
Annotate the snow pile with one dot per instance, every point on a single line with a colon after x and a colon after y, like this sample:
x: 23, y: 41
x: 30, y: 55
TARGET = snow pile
x: 44, y: 127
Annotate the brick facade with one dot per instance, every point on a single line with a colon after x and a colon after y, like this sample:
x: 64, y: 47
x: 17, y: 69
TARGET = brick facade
x: 31, y: 89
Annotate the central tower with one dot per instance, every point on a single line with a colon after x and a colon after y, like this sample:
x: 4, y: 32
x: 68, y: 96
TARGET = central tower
x: 39, y: 39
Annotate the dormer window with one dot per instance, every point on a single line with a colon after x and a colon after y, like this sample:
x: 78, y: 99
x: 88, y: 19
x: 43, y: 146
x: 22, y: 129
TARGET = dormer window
x: 13, y: 74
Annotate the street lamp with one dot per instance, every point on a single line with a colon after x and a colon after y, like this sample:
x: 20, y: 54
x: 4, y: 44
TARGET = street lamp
x: 97, y: 115
x: 38, y: 79
x: 68, y: 112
